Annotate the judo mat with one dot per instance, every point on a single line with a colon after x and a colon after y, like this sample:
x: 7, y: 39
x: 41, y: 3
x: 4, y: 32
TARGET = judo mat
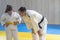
x: 53, y: 32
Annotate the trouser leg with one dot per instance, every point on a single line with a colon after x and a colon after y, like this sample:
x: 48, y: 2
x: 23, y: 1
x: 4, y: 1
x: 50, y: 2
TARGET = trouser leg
x: 8, y: 35
x: 15, y: 34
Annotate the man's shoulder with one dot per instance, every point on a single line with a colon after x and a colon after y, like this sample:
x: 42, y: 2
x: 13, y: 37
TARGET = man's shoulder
x: 30, y: 10
x: 16, y: 13
x: 33, y: 12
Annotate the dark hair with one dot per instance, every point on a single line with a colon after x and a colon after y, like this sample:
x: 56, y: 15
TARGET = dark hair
x: 21, y: 9
x: 8, y: 8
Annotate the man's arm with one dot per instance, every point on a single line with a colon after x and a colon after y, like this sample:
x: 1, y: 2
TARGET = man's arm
x: 2, y: 20
x: 18, y: 19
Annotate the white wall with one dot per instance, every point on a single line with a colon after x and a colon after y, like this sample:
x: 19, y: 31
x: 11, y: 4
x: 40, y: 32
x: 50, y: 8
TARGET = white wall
x: 49, y: 8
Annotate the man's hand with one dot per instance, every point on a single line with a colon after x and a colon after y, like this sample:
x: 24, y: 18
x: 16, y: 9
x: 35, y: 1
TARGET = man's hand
x: 33, y: 31
x: 17, y: 22
x: 6, y: 25
x: 40, y: 33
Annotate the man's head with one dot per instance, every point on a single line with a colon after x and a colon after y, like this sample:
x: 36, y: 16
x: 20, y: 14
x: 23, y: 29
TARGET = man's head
x: 22, y: 11
x: 8, y: 9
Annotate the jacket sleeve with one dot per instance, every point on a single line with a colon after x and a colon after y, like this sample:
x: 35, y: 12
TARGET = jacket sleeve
x: 3, y: 20
x: 18, y: 18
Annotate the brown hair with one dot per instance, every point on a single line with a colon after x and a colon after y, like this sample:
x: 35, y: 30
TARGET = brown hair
x: 8, y: 8
x: 21, y: 9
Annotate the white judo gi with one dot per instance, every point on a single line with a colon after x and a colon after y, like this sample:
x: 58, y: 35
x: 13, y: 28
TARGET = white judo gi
x: 32, y: 19
x: 11, y: 30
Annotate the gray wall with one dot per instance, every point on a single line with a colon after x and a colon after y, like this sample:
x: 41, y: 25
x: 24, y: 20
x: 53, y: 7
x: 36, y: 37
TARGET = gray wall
x: 48, y: 8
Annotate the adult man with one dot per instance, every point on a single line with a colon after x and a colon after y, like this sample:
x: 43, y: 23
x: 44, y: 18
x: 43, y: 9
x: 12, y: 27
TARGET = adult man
x: 34, y: 21
x: 10, y: 20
